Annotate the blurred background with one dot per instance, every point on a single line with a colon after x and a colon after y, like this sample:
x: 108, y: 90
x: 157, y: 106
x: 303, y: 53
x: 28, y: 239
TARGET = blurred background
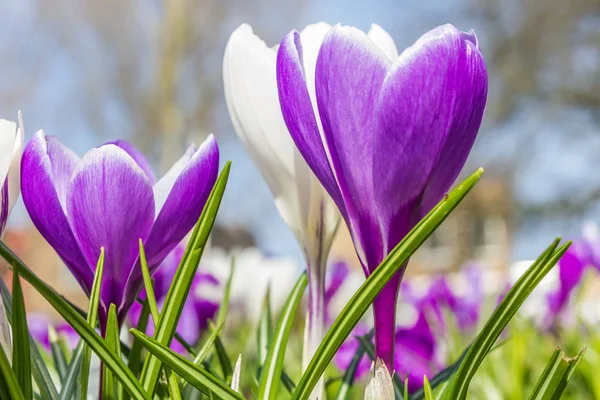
x: 150, y: 71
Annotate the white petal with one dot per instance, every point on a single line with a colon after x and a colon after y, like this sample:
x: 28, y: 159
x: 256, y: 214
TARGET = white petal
x: 8, y: 133
x: 5, y: 337
x: 14, y: 171
x: 380, y: 386
x: 384, y: 41
x: 235, y: 377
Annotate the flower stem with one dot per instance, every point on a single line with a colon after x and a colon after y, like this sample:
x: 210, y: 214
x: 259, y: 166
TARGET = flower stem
x: 315, y: 319
x: 384, y: 311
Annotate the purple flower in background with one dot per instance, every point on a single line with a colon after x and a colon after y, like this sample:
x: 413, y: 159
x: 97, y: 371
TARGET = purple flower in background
x: 198, y: 308
x: 11, y: 149
x: 39, y: 325
x: 464, y: 309
x: 391, y: 135
x: 109, y: 198
x: 582, y: 255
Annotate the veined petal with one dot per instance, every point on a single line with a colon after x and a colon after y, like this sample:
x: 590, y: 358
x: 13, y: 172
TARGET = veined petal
x: 350, y: 72
x: 110, y: 204
x: 468, y: 75
x: 428, y: 111
x: 299, y: 115
x: 137, y: 156
x: 184, y: 202
x: 384, y: 41
x: 45, y: 168
x: 191, y: 183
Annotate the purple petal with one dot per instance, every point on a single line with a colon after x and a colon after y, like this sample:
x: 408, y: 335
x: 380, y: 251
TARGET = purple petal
x: 350, y: 72
x: 46, y: 169
x: 192, y: 181
x: 429, y: 111
x: 137, y: 156
x: 185, y: 200
x: 337, y: 274
x: 299, y: 115
x: 110, y: 204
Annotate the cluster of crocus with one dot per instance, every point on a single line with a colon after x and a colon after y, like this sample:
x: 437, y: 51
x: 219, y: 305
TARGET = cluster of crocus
x: 198, y: 307
x: 11, y: 149
x: 385, y: 134
x: 109, y: 199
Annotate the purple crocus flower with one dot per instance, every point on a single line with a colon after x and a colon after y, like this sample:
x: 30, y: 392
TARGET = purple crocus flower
x: 198, y: 308
x: 39, y: 326
x: 109, y: 198
x: 391, y: 135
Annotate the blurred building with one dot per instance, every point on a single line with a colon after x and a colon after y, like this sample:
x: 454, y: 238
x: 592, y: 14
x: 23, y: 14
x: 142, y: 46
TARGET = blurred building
x: 478, y: 231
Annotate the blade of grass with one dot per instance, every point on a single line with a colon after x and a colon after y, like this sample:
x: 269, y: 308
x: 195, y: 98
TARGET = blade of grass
x: 40, y: 372
x: 501, y: 316
x: 180, y: 287
x: 224, y: 306
x: 85, y: 331
x: 58, y: 355
x: 224, y: 360
x: 349, y: 375
x: 92, y: 317
x: 69, y: 383
x: 21, y: 347
x: 264, y: 330
x: 365, y: 295
x: 135, y: 356
x: 9, y: 384
x: 110, y: 385
x: 554, y: 378
x: 196, y: 376
x: 271, y: 373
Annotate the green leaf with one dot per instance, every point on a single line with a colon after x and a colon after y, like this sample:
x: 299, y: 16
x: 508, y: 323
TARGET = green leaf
x: 235, y: 378
x: 9, y: 384
x: 58, y: 353
x: 271, y: 373
x: 180, y: 287
x: 224, y: 307
x: 264, y: 330
x: 151, y: 299
x: 501, y: 316
x: 135, y: 355
x: 40, y: 372
x: 21, y: 347
x: 427, y: 389
x: 69, y: 383
x: 365, y: 295
x: 555, y: 377
x: 85, y: 331
x: 196, y: 376
x: 110, y: 385
x: 92, y: 317
x: 224, y: 360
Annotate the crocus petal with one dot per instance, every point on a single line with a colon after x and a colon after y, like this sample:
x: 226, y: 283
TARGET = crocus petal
x: 137, y: 156
x: 110, y: 204
x: 8, y: 132
x: 187, y: 194
x: 188, y: 185
x: 349, y: 75
x: 5, y: 334
x: 45, y: 169
x: 429, y: 110
x: 14, y: 171
x: 298, y: 113
x: 384, y: 41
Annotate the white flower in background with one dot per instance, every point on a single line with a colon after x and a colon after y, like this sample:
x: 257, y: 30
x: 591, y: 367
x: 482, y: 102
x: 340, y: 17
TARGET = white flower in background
x: 11, y: 149
x: 5, y: 335
x: 249, y: 73
x: 252, y: 275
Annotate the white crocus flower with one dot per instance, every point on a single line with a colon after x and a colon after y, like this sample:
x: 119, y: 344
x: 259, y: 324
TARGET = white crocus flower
x: 249, y: 73
x: 5, y: 335
x: 11, y: 149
